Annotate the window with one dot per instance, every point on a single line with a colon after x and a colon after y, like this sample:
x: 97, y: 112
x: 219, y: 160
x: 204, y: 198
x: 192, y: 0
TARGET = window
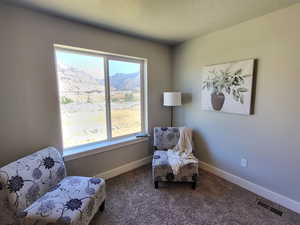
x: 101, y: 96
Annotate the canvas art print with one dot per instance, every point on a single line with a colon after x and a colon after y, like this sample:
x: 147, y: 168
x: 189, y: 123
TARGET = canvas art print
x: 228, y: 87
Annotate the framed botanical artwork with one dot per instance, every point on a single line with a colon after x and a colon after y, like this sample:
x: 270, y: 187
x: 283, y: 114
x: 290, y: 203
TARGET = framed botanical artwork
x: 229, y: 87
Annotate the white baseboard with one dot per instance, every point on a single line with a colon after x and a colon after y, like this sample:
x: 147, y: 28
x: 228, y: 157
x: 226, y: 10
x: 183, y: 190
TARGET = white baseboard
x: 125, y: 168
x: 257, y: 189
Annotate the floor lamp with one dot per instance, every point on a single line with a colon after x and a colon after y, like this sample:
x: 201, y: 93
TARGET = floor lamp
x: 172, y: 99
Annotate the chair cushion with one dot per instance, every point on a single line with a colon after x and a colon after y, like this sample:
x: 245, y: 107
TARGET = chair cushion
x: 162, y: 171
x: 166, y: 137
x: 74, y: 201
x: 26, y: 179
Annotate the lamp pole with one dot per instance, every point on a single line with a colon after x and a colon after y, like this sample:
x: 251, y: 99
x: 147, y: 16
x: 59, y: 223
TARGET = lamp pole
x: 172, y: 116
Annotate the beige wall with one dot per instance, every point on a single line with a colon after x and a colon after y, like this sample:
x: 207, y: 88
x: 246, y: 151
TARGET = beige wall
x: 29, y: 113
x: 269, y: 139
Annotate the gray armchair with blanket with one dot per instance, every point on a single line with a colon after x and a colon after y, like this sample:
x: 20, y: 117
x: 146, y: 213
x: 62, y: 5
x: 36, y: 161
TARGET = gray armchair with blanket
x: 166, y: 138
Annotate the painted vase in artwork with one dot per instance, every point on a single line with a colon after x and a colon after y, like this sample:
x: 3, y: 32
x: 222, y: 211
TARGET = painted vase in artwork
x: 217, y: 100
x: 227, y: 81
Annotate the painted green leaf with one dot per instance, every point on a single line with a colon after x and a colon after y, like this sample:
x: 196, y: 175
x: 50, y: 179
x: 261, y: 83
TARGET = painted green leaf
x: 228, y: 90
x: 242, y: 89
x: 242, y: 99
x: 236, y: 98
x: 246, y: 75
x: 238, y: 72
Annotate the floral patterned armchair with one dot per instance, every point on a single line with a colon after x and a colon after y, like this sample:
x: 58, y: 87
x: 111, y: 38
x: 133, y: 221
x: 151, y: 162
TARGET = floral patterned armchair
x: 34, y: 190
x: 166, y: 138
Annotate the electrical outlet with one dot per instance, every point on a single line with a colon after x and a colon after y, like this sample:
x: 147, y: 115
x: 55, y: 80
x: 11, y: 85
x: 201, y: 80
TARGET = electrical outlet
x: 244, y: 162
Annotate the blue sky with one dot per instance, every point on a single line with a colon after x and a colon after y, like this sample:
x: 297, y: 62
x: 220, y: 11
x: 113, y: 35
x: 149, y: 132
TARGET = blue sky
x: 94, y: 65
x: 122, y: 67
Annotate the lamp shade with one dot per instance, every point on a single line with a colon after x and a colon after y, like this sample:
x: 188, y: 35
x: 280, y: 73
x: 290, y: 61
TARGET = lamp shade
x: 172, y: 98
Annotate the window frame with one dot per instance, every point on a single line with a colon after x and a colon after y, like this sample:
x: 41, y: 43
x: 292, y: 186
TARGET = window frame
x: 143, y: 92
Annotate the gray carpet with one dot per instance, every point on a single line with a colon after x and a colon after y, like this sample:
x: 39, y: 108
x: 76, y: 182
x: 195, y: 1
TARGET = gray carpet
x: 132, y: 200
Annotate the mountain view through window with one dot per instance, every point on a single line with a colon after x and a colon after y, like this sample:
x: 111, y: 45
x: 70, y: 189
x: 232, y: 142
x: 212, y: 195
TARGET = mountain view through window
x: 89, y: 112
x: 125, y: 96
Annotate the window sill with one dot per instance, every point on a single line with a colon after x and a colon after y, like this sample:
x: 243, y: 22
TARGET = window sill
x: 82, y: 151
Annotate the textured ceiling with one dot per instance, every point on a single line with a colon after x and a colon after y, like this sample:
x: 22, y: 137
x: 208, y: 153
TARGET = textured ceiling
x: 170, y: 21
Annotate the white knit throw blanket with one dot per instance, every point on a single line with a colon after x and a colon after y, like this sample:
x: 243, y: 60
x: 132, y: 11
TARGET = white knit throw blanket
x: 182, y: 154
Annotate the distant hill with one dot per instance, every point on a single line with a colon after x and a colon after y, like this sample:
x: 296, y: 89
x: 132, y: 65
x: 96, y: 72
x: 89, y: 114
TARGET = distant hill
x: 73, y: 79
x: 121, y: 81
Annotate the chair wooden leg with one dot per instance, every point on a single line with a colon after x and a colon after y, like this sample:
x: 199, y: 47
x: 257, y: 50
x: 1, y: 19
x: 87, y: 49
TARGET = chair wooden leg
x: 156, y: 184
x: 102, y: 207
x: 194, y: 185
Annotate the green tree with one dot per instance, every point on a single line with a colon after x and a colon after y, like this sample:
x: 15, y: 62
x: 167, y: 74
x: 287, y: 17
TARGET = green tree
x: 65, y: 100
x: 128, y: 97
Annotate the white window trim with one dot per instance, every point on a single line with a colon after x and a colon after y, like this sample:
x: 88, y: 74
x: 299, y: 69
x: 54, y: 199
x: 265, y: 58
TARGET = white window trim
x: 100, y: 147
x: 117, y: 142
